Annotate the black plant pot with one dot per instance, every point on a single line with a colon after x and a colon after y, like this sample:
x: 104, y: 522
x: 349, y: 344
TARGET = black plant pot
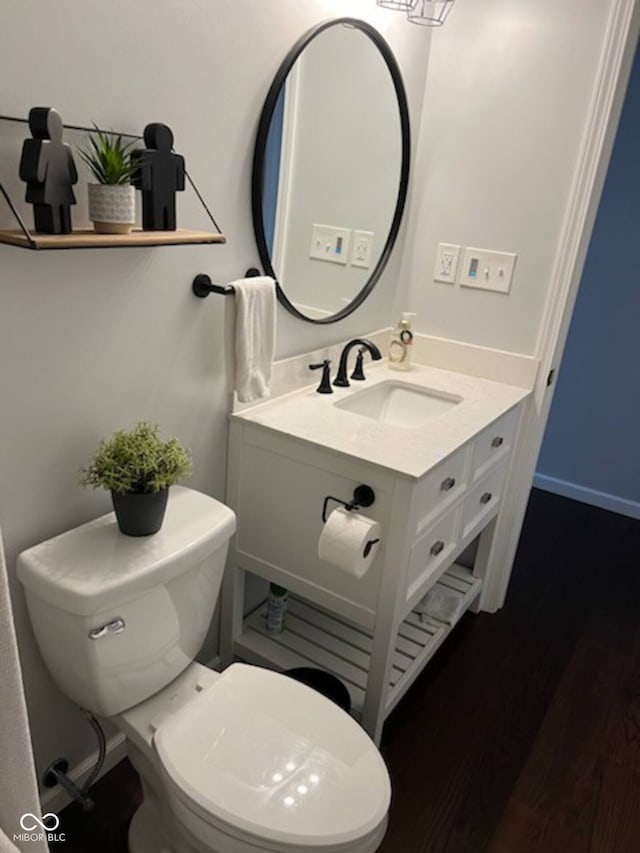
x: 140, y: 515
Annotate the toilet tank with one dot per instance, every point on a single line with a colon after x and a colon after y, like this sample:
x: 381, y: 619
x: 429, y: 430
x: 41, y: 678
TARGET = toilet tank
x: 118, y: 617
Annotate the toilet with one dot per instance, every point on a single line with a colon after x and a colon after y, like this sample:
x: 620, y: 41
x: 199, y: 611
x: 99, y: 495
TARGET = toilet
x: 243, y: 761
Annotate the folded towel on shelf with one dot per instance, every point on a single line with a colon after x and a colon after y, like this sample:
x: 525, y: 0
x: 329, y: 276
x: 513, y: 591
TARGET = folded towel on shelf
x: 440, y: 603
x: 255, y: 302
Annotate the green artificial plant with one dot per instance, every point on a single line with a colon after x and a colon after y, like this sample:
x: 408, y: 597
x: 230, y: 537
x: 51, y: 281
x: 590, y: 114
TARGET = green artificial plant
x: 137, y: 462
x: 109, y: 157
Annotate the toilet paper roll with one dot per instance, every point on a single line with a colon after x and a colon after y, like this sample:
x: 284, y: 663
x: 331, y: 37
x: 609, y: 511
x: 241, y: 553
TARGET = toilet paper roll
x: 349, y: 541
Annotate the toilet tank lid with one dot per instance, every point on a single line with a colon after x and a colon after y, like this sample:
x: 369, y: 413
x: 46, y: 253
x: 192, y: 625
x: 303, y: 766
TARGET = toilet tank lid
x: 94, y: 566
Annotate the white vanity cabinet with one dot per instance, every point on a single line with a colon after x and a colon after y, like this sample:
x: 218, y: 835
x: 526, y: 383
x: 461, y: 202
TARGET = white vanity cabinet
x: 365, y: 630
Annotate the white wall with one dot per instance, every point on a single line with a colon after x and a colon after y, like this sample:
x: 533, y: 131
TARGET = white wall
x: 507, y: 93
x: 98, y: 339
x: 94, y: 340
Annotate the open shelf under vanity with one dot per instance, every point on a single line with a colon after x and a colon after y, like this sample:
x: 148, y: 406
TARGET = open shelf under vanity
x: 313, y: 636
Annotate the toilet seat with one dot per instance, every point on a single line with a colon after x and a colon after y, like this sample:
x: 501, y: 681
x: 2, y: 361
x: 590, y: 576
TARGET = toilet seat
x: 271, y: 759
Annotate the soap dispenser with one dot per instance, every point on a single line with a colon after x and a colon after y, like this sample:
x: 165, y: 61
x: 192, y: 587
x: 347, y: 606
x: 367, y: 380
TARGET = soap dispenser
x: 401, y: 344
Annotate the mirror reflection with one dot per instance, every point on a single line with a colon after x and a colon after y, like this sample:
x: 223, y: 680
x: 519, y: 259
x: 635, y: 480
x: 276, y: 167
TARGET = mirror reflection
x: 331, y: 167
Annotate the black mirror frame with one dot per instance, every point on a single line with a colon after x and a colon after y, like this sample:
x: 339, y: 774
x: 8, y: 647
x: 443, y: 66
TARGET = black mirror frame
x: 257, y: 176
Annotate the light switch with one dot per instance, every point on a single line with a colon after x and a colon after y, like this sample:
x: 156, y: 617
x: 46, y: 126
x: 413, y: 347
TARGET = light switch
x: 487, y: 270
x: 446, y: 266
x: 330, y: 243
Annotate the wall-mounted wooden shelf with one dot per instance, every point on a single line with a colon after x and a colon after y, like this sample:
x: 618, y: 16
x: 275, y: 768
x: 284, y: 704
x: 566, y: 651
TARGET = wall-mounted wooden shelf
x: 88, y: 239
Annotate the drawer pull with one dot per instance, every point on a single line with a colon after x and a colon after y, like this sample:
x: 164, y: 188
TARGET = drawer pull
x: 497, y: 441
x: 447, y: 484
x: 486, y: 497
x: 437, y: 547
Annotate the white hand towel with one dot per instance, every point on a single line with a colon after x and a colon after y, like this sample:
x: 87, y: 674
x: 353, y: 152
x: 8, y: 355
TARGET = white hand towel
x: 255, y: 336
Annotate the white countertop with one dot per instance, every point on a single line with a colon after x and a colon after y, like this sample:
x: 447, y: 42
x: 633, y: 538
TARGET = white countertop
x: 314, y: 419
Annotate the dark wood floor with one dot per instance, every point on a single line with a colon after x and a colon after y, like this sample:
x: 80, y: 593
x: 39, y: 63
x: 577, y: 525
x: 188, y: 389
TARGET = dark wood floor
x: 523, y: 734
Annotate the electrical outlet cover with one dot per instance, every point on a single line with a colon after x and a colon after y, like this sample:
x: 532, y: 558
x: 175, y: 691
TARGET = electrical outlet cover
x: 361, y: 246
x: 446, y: 265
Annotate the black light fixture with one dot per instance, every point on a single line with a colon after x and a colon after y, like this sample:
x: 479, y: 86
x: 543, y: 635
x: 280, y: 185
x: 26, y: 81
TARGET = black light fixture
x: 430, y: 13
x: 427, y: 13
x: 398, y: 5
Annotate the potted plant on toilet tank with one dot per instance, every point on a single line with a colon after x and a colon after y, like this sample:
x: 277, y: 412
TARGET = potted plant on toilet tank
x: 112, y: 200
x: 137, y: 467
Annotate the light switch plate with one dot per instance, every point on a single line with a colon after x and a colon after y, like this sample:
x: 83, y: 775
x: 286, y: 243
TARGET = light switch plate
x: 330, y: 243
x: 484, y: 269
x: 447, y: 257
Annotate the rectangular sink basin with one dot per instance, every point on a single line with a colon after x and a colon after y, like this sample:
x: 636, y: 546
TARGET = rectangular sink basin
x: 399, y: 404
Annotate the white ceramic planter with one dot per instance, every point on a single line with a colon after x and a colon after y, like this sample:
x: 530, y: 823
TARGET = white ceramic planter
x: 112, y: 208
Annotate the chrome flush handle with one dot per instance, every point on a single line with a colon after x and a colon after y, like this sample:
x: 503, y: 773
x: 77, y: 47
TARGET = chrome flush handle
x: 116, y: 626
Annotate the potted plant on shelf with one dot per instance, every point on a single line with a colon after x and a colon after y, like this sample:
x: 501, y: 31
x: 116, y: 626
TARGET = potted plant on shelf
x: 138, y: 468
x: 112, y: 200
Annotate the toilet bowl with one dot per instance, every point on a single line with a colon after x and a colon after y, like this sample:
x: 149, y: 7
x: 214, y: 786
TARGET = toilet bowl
x: 251, y: 760
x: 242, y: 761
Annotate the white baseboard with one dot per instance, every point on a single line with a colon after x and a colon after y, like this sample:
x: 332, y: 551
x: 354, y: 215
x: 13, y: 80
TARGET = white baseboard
x: 56, y: 798
x: 602, y: 500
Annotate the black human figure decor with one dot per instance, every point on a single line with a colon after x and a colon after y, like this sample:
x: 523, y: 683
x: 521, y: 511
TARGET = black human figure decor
x: 160, y: 175
x: 48, y: 169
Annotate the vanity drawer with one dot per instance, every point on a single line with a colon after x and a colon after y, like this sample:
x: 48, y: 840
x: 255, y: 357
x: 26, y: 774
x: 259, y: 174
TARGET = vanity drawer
x: 483, y: 500
x: 440, y: 487
x: 432, y: 551
x: 494, y: 443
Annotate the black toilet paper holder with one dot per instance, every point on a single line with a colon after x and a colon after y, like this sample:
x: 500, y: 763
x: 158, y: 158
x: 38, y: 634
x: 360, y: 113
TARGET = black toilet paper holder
x: 362, y: 496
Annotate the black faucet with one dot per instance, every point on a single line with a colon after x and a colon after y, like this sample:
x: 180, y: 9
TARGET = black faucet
x: 341, y: 378
x: 325, y: 383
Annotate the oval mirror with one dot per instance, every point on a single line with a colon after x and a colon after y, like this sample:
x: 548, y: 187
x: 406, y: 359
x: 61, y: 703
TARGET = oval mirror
x: 331, y: 169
